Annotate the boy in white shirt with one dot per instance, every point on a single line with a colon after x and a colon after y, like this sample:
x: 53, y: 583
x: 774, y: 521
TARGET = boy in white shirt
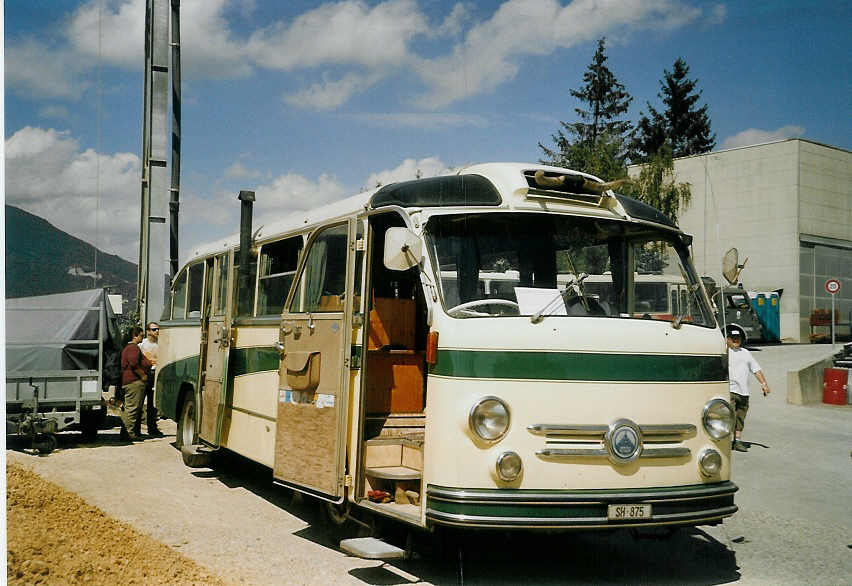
x: 740, y: 364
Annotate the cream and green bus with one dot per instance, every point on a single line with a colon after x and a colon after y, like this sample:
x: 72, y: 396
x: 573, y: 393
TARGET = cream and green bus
x: 370, y: 355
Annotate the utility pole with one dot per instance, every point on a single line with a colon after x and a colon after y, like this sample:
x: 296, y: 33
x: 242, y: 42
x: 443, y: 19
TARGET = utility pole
x: 155, y: 265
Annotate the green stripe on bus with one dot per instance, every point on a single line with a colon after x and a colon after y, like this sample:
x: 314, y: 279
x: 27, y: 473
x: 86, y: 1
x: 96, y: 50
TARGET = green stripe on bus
x: 169, y: 381
x: 579, y: 366
x: 251, y: 360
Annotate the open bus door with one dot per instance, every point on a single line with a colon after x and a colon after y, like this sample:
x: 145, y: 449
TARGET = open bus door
x: 315, y: 340
x: 216, y: 345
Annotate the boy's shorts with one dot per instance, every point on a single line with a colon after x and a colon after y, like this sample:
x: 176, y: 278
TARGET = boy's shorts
x: 740, y: 409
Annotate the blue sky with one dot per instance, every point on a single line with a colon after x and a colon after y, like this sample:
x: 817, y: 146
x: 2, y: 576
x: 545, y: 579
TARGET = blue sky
x: 308, y: 102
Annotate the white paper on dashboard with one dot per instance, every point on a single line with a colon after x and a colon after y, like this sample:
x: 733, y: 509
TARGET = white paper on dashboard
x: 533, y: 299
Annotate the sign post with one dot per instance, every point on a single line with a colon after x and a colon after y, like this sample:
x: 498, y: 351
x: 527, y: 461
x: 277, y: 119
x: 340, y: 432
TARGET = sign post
x: 832, y: 286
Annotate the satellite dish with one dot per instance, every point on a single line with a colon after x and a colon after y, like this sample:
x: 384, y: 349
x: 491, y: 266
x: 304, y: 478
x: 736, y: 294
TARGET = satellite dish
x: 731, y: 268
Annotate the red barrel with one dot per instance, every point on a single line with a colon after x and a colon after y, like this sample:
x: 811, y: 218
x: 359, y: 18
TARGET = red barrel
x: 835, y: 386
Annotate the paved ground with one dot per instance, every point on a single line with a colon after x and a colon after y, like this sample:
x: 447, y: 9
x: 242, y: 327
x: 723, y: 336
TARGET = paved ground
x: 794, y: 524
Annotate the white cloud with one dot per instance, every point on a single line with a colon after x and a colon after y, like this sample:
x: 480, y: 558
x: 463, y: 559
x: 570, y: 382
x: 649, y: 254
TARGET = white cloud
x: 34, y: 69
x: 240, y: 171
x: 718, y: 14
x: 492, y: 51
x: 53, y: 112
x: 407, y: 170
x: 350, y: 44
x: 757, y: 136
x: 330, y: 94
x: 423, y: 120
x: 48, y: 175
x: 348, y: 32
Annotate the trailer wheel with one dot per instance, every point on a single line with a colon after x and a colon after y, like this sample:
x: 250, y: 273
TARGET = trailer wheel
x: 186, y: 437
x: 45, y: 443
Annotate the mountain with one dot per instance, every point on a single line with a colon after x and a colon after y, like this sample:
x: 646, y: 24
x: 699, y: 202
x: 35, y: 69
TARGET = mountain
x: 41, y: 259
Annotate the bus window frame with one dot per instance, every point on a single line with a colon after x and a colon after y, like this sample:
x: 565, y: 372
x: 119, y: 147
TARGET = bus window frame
x: 260, y: 277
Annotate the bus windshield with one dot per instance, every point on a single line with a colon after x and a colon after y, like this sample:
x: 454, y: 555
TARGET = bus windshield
x: 510, y: 264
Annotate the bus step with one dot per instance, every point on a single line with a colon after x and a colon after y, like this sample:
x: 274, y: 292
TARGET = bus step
x: 370, y: 548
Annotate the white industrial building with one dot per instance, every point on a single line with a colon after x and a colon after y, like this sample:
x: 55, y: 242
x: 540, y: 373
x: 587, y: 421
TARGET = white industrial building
x: 787, y: 207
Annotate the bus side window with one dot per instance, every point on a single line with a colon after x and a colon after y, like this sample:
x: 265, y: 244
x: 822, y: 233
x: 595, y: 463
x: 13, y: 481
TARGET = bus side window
x: 244, y: 304
x: 222, y: 287
x: 324, y: 275
x: 278, y: 263
x: 196, y: 281
x: 179, y: 297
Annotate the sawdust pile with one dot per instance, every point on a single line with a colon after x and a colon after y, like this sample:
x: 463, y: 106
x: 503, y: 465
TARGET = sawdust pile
x: 55, y: 537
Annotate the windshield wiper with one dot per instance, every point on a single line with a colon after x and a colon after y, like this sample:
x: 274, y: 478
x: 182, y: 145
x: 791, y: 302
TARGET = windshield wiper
x: 563, y: 297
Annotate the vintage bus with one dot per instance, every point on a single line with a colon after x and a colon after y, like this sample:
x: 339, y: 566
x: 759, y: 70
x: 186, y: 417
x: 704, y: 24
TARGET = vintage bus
x: 370, y: 354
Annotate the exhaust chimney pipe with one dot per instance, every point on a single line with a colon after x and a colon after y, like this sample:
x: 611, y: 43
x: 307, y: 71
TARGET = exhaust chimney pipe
x: 243, y: 290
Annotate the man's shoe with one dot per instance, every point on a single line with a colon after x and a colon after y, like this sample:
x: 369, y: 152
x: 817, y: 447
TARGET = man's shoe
x: 155, y: 432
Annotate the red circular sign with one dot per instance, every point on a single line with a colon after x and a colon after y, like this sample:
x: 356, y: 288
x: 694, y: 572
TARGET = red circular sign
x: 832, y: 286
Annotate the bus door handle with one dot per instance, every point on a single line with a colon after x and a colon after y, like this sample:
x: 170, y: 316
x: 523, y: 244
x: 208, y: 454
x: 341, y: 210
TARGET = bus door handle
x: 311, y: 324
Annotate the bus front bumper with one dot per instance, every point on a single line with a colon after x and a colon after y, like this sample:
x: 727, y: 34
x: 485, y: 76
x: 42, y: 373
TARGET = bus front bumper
x: 703, y: 504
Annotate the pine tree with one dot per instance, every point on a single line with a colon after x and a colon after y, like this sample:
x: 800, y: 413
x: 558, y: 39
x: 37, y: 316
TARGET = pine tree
x: 600, y: 134
x: 684, y: 126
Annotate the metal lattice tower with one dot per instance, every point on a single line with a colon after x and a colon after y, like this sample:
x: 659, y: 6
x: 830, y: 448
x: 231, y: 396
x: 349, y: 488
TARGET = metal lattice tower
x: 158, y: 256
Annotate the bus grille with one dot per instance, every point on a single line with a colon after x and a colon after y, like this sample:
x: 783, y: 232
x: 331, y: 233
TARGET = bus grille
x: 587, y: 441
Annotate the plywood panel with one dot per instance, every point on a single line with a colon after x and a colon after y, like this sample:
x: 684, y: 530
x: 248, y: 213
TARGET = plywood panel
x: 305, y: 445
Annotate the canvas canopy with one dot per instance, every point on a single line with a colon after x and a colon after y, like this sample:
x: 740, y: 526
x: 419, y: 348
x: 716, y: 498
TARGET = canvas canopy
x: 59, y: 332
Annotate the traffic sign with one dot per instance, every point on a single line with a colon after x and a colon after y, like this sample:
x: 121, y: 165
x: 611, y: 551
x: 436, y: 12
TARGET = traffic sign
x: 832, y: 286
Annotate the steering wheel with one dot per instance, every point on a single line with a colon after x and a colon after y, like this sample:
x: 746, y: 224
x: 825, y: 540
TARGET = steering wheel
x: 477, y: 302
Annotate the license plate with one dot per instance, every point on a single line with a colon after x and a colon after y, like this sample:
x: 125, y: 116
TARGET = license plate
x: 628, y: 512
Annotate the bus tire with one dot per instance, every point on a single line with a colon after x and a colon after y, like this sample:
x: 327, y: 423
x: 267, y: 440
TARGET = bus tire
x: 186, y: 437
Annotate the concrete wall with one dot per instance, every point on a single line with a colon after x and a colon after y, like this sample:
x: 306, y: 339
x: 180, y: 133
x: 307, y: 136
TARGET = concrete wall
x: 825, y: 191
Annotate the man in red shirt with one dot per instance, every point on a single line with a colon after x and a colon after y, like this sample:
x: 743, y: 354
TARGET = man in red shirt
x: 134, y: 368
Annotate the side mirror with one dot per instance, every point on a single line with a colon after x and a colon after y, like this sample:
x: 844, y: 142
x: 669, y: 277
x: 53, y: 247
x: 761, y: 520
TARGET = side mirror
x: 403, y: 249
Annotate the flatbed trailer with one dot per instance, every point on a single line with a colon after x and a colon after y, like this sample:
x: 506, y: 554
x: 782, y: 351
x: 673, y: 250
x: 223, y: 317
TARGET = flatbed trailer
x: 55, y: 363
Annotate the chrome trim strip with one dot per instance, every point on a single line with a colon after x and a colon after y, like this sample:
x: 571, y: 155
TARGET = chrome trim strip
x: 673, y: 429
x: 572, y: 453
x: 253, y: 413
x: 665, y: 453
x: 602, y: 453
x: 544, y: 428
x: 584, y: 522
x: 600, y: 430
x: 496, y: 496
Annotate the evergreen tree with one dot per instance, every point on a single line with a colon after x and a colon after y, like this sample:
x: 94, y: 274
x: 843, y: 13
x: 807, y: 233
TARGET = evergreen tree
x: 683, y: 125
x: 599, y: 136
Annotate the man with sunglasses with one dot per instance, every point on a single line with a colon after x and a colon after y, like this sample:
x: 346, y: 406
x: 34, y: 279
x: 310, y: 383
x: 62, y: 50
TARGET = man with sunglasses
x: 149, y: 349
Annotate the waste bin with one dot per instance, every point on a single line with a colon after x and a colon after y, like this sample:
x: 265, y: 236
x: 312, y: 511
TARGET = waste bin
x: 835, y: 386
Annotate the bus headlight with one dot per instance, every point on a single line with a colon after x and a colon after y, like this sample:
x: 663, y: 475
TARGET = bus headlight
x: 489, y: 419
x: 710, y: 462
x: 509, y: 466
x: 718, y: 419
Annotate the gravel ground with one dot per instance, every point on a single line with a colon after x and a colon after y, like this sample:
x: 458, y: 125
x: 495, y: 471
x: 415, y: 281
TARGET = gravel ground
x: 55, y: 537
